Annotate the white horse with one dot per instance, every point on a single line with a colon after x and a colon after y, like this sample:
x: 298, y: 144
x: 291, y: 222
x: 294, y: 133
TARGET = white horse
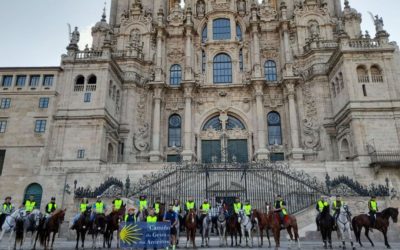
x: 343, y: 223
x: 10, y: 223
x: 245, y: 226
x: 221, y: 227
x: 206, y: 229
x: 32, y: 222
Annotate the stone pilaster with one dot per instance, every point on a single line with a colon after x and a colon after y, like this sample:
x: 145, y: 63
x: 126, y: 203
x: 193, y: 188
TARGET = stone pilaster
x: 297, y: 152
x: 187, y: 153
x: 262, y: 152
x: 155, y: 154
x: 256, y: 43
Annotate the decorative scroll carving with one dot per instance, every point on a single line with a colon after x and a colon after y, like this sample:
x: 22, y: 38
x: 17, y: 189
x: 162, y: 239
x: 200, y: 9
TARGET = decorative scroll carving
x: 175, y: 55
x: 176, y: 18
x: 311, y: 128
x: 267, y: 12
x: 141, y: 135
x: 219, y: 5
x: 345, y: 186
x: 109, y: 188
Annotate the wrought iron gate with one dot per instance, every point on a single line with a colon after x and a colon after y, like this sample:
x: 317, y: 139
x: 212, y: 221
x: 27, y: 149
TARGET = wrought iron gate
x: 258, y: 182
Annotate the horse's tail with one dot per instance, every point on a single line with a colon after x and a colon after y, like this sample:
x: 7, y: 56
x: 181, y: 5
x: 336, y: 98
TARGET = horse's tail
x: 19, y: 230
x: 357, y: 231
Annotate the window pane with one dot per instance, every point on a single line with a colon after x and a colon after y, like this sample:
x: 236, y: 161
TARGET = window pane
x: 175, y: 75
x: 87, y: 97
x: 7, y: 81
x: 204, y: 34
x: 34, y: 80
x: 48, y: 80
x: 274, y: 129
x: 3, y: 126
x: 40, y: 126
x: 44, y: 102
x: 174, y: 131
x: 270, y: 71
x: 221, y: 29
x: 222, y: 69
x: 21, y: 81
x: 203, y: 61
x: 5, y: 103
x: 239, y: 32
x: 241, y: 59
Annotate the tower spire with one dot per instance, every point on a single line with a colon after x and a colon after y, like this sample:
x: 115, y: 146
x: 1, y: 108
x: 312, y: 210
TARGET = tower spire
x: 104, y: 16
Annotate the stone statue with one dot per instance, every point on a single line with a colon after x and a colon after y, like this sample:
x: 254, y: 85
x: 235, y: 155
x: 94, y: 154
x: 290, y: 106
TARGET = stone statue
x: 378, y: 23
x: 241, y: 6
x: 201, y: 8
x: 74, y: 37
x: 313, y: 29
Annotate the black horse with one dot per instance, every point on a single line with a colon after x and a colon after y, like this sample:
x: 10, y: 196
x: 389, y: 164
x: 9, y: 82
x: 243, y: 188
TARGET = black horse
x: 326, y: 223
x: 82, y: 225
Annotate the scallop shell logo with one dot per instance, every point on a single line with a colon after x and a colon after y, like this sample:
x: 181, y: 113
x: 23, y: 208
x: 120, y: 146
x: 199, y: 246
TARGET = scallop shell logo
x: 130, y: 234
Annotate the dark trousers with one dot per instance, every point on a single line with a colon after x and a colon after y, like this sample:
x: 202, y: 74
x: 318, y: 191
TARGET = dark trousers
x: 372, y: 217
x: 2, y: 219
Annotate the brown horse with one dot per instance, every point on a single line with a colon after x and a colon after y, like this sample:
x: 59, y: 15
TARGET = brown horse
x: 261, y: 224
x: 381, y: 224
x: 191, y: 226
x: 112, y: 224
x: 53, y: 226
x: 233, y: 228
x: 290, y: 224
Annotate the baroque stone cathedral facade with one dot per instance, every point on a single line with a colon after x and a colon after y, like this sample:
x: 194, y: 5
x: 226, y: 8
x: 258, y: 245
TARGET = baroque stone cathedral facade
x: 213, y: 81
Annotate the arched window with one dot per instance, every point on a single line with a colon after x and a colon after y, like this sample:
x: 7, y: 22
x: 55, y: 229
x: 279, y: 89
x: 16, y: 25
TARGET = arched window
x: 222, y: 68
x: 80, y: 80
x: 270, y: 71
x: 232, y: 123
x: 239, y: 34
x: 174, y: 131
x: 36, y: 191
x: 362, y: 74
x: 110, y: 153
x: 203, y: 61
x: 204, y: 34
x: 344, y: 150
x: 241, y: 60
x: 92, y: 79
x: 274, y: 129
x: 222, y: 29
x: 376, y: 74
x: 175, y: 75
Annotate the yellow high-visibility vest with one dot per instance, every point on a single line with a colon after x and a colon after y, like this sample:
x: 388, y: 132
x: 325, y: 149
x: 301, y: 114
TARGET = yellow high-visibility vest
x: 142, y: 205
x: 83, y: 207
x: 205, y: 207
x: 117, y: 204
x: 237, y: 207
x: 373, y: 205
x: 190, y: 205
x: 247, y: 209
x: 99, y: 207
x: 151, y: 219
x: 29, y: 206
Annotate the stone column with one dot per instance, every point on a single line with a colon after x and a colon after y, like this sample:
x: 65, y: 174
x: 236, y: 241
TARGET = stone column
x: 262, y: 152
x: 297, y: 152
x: 256, y: 43
x: 159, y: 71
x: 187, y: 153
x: 155, y: 154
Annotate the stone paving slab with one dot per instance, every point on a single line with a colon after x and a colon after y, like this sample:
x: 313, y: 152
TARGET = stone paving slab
x: 64, y: 244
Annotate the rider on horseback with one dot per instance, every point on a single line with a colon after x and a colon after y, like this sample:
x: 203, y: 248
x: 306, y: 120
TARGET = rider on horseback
x: 280, y: 208
x: 98, y: 208
x: 373, y: 209
x: 6, y: 210
x: 83, y: 207
x: 30, y: 204
x: 237, y: 205
x: 337, y: 204
x: 321, y: 205
x: 157, y: 205
x: 117, y: 203
x: 204, y: 209
x: 50, y: 208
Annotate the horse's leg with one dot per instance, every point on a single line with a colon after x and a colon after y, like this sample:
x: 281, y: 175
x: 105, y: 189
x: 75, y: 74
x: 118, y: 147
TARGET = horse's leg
x: 77, y: 239
x: 260, y: 236
x: 2, y: 234
x: 83, y: 238
x: 10, y: 239
x: 52, y: 241
x: 351, y: 238
x: 367, y: 235
x: 269, y: 240
x: 384, y: 231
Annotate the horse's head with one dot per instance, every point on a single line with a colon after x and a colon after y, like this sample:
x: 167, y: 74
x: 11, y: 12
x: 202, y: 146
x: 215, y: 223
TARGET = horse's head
x: 240, y: 216
x: 20, y: 214
x: 395, y: 214
x: 36, y: 216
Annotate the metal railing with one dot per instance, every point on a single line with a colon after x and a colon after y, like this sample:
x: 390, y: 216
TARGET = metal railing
x: 82, y: 55
x: 377, y: 78
x: 79, y: 88
x: 91, y: 87
x: 363, y: 78
x: 385, y: 158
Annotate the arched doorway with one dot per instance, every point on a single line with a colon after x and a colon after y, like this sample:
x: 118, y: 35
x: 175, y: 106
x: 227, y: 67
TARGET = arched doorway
x: 110, y: 153
x: 224, y: 138
x: 35, y: 190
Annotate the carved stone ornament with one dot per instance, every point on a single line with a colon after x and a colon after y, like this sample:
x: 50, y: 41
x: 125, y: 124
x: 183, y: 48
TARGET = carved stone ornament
x: 200, y: 9
x: 220, y: 5
x: 175, y: 55
x: 311, y: 128
x: 141, y: 136
x: 176, y: 18
x: 267, y: 12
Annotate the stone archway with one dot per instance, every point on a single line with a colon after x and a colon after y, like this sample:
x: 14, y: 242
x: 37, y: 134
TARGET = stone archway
x: 224, y: 138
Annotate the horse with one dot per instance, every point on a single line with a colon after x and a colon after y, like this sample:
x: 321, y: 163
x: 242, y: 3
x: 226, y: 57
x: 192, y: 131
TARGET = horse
x: 191, y: 225
x: 343, y: 222
x: 326, y: 223
x: 234, y: 228
x: 10, y: 223
x: 381, y: 224
x: 112, y: 224
x: 261, y: 224
x: 99, y: 226
x: 245, y: 227
x: 291, y: 226
x: 206, y: 229
x: 31, y: 224
x: 53, y: 226
x: 81, y: 226
x: 221, y: 228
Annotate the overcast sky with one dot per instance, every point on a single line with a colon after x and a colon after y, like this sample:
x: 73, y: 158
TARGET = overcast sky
x: 35, y: 33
